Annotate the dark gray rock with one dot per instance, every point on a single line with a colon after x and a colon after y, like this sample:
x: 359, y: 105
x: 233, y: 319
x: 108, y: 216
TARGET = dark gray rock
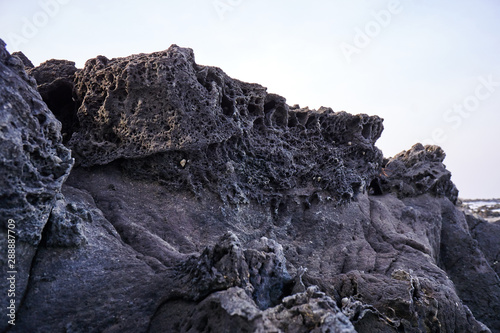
x: 417, y: 171
x: 33, y: 166
x: 34, y: 162
x: 477, y: 271
x: 487, y: 235
x: 232, y: 310
x: 65, y: 224
x: 380, y: 251
x: 202, y: 203
x: 193, y: 127
x: 26, y: 62
x: 55, y: 80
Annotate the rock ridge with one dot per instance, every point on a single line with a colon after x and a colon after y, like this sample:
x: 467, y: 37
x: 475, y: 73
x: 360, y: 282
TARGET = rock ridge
x: 191, y: 126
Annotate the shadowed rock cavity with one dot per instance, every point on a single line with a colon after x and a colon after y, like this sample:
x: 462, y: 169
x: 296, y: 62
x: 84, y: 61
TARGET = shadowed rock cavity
x: 55, y: 81
x: 201, y: 203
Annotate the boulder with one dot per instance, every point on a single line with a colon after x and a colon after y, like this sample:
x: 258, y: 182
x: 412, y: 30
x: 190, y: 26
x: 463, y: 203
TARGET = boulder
x: 416, y: 171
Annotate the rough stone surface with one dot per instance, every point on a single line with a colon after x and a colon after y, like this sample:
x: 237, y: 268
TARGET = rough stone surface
x: 55, y: 83
x: 488, y: 237
x: 192, y: 126
x: 34, y: 163
x: 417, y: 171
x: 33, y: 166
x: 26, y: 62
x: 232, y: 310
x: 204, y: 204
x: 483, y: 280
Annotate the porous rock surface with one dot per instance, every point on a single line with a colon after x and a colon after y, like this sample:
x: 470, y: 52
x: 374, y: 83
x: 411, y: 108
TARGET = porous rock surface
x: 33, y: 166
x: 200, y: 203
x: 417, y: 171
x: 192, y: 127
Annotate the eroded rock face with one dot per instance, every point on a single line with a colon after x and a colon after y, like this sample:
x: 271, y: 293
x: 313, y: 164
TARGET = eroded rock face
x: 232, y: 310
x: 202, y: 203
x: 26, y: 62
x: 417, y: 171
x: 34, y: 161
x: 192, y: 127
x: 33, y: 166
x: 55, y: 81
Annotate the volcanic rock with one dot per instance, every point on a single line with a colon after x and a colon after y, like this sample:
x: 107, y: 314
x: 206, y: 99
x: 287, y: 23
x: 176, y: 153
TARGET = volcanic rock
x: 26, y: 62
x: 200, y: 203
x: 33, y: 166
x: 417, y: 171
x: 192, y: 127
x: 55, y: 83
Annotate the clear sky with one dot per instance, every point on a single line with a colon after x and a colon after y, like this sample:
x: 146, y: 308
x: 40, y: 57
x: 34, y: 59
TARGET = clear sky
x: 430, y: 68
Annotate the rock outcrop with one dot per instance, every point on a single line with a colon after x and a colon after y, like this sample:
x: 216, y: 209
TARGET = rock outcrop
x: 200, y: 203
x: 192, y: 127
x: 33, y: 166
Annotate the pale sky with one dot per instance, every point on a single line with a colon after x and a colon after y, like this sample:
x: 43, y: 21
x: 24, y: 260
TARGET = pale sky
x: 430, y: 68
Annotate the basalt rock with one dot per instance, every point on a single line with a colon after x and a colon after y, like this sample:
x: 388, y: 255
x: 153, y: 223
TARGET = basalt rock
x: 483, y: 253
x: 192, y: 127
x: 232, y: 310
x: 34, y: 161
x: 55, y: 83
x: 33, y: 166
x: 201, y: 203
x: 26, y: 62
x: 487, y: 235
x: 417, y: 171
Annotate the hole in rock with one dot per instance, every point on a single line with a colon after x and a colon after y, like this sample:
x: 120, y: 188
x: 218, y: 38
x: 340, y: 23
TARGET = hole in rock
x: 59, y: 99
x: 280, y: 116
x: 375, y: 187
x: 269, y: 106
x: 253, y: 109
x: 227, y: 106
x: 367, y: 131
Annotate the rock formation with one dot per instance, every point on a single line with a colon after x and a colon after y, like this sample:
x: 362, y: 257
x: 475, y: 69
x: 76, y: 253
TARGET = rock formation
x: 33, y: 166
x: 200, y: 203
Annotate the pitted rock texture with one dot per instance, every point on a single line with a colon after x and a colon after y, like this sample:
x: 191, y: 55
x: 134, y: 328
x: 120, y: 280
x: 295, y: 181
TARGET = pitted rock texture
x: 34, y: 162
x: 33, y: 166
x: 261, y: 271
x: 193, y: 127
x: 266, y: 222
x: 232, y: 310
x: 417, y: 171
x: 26, y: 62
